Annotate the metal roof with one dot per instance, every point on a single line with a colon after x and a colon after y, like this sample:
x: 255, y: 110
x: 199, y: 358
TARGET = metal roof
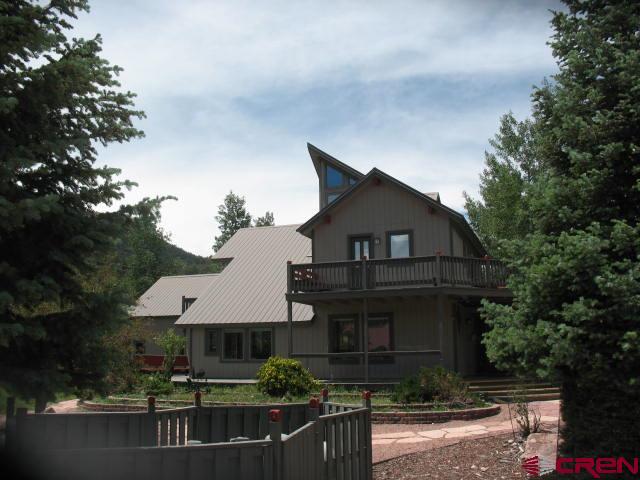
x: 252, y: 287
x: 164, y: 298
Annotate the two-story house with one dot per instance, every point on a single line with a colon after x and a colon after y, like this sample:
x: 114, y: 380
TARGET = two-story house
x: 381, y: 280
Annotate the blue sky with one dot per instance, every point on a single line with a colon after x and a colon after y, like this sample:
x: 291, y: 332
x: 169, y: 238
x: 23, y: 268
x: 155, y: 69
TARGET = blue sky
x: 233, y: 90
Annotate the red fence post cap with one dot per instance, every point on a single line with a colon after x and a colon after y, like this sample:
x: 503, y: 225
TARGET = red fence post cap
x: 366, y: 395
x: 151, y: 400
x: 198, y: 395
x: 314, y: 402
x: 325, y: 392
x: 275, y: 415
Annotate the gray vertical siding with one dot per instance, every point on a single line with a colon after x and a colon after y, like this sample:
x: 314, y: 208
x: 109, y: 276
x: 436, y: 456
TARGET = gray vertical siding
x: 377, y: 210
x: 415, y: 327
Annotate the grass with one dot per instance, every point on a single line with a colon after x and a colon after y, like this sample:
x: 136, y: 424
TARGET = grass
x: 27, y: 403
x: 251, y: 394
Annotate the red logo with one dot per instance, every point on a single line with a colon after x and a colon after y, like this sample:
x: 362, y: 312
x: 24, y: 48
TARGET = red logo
x: 535, y: 467
x: 595, y: 467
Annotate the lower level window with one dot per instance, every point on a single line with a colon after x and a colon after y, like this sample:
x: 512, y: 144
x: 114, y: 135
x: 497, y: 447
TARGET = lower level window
x: 233, y: 343
x: 260, y: 344
x: 344, y: 338
x: 380, y: 337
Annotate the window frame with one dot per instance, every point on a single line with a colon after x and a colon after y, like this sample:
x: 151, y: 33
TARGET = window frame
x: 241, y: 331
x: 345, y: 177
x: 391, y: 233
x: 207, y: 343
x: 260, y: 329
x: 375, y: 359
x: 332, y: 319
x: 330, y: 193
x: 360, y: 236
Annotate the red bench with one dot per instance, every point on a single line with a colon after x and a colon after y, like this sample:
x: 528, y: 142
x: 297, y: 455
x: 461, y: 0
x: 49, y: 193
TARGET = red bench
x: 153, y: 363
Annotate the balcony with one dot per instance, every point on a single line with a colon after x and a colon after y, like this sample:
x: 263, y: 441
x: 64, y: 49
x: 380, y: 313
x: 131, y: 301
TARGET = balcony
x: 396, y: 274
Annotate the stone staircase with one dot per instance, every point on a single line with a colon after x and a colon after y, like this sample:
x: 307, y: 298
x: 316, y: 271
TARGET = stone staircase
x: 503, y: 389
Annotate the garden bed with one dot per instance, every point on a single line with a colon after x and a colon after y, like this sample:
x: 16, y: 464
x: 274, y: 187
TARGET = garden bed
x: 433, y: 416
x: 383, y: 412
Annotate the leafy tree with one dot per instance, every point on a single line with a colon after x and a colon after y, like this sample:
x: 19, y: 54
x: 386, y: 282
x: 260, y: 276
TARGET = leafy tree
x: 58, y: 99
x: 143, y: 246
x: 171, y: 344
x: 575, y: 316
x: 266, y: 221
x: 232, y: 216
x: 506, y: 185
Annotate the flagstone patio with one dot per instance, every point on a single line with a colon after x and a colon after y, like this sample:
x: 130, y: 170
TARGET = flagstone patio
x: 390, y: 441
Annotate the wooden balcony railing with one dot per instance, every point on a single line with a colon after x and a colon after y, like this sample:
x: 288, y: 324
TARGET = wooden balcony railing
x: 434, y: 270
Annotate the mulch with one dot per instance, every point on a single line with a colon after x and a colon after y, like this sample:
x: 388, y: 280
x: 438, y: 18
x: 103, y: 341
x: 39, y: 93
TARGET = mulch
x: 487, y: 458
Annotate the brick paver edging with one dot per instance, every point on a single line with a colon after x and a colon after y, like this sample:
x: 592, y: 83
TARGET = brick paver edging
x: 434, y: 417
x: 110, y: 407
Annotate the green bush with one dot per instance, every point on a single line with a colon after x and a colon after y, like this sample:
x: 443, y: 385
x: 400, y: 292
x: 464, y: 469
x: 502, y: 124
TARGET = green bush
x: 157, y: 384
x: 432, y: 384
x: 280, y: 377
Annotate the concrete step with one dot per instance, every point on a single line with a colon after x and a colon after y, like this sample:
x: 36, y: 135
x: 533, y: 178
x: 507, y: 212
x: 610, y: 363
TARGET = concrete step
x: 510, y: 386
x: 539, y: 397
x: 529, y: 392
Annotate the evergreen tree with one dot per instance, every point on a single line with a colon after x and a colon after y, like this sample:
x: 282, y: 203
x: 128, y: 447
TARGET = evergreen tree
x: 266, y: 221
x: 58, y: 99
x: 575, y: 316
x: 506, y: 185
x: 232, y: 216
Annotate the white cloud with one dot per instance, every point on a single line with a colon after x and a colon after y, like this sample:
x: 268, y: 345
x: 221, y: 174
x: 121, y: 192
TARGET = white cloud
x: 215, y: 78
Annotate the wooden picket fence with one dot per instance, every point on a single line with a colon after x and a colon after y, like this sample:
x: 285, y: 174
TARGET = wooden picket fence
x: 321, y: 441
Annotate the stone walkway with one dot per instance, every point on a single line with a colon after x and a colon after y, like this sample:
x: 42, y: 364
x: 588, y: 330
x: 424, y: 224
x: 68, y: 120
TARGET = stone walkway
x: 390, y: 441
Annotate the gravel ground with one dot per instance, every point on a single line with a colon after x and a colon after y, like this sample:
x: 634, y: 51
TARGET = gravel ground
x: 487, y: 458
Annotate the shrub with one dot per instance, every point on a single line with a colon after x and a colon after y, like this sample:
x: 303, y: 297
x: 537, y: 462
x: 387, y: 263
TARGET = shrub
x: 157, y: 384
x: 407, y: 391
x: 171, y: 344
x: 285, y: 377
x: 432, y: 384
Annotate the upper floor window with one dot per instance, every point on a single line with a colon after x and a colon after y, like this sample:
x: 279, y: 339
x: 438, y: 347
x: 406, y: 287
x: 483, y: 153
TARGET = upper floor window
x: 399, y: 244
x: 332, y: 196
x: 186, y: 303
x: 334, y: 178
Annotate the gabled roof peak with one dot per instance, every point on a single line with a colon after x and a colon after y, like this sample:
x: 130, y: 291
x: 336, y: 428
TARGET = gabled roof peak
x: 317, y: 154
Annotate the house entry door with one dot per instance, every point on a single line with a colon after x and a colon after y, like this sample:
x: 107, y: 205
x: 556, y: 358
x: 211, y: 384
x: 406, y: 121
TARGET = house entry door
x: 361, y: 247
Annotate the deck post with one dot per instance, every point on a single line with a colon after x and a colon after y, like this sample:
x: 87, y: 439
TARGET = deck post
x: 275, y: 434
x: 289, y: 328
x: 363, y: 268
x: 440, y: 313
x: 152, y: 423
x: 325, y: 401
x: 365, y: 340
x: 366, y: 403
x: 438, y: 267
x: 313, y: 412
x: 289, y: 311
